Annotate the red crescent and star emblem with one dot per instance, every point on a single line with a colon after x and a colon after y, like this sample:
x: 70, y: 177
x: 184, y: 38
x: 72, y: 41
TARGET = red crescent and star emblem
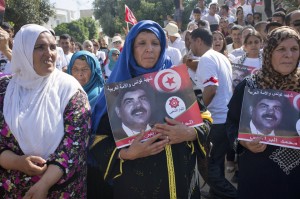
x: 167, y: 80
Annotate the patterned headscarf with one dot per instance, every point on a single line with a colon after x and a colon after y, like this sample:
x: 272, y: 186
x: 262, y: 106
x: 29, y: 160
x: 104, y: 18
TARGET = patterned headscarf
x: 267, y: 77
x: 96, y: 82
x: 126, y: 66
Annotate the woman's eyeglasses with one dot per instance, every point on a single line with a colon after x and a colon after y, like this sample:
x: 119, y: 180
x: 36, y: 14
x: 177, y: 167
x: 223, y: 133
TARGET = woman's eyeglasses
x: 115, y: 54
x: 117, y: 42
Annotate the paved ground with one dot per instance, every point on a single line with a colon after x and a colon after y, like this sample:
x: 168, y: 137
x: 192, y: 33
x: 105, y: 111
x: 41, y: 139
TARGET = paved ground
x: 206, y: 187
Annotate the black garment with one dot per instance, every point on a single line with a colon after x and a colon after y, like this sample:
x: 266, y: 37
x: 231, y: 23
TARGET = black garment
x: 220, y: 187
x: 97, y: 188
x: 273, y: 173
x: 268, y: 8
x: 170, y: 172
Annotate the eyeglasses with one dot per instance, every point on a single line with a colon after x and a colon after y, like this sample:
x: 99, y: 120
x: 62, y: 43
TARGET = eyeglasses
x: 76, y: 71
x: 251, y: 42
x: 115, y: 54
x: 117, y: 42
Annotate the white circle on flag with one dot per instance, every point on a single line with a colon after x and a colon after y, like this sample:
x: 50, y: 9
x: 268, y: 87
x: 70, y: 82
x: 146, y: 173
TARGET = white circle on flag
x: 167, y: 81
x: 175, y: 106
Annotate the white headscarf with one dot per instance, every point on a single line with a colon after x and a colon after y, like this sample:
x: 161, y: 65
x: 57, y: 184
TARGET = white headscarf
x: 34, y: 105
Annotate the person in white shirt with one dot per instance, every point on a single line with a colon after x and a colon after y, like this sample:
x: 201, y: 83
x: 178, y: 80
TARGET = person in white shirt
x: 203, y: 9
x: 236, y: 38
x: 252, y: 47
x: 212, y: 18
x: 215, y: 80
x: 224, y: 12
x: 99, y: 54
x: 65, y: 44
x: 246, y: 8
x: 173, y: 53
x: 241, y: 51
x: 175, y: 38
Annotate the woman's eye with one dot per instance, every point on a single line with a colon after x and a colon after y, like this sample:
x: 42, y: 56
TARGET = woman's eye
x: 38, y: 47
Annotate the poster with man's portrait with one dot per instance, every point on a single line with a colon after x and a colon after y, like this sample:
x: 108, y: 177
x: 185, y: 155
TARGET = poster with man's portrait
x: 272, y: 115
x: 138, y: 104
x: 239, y: 72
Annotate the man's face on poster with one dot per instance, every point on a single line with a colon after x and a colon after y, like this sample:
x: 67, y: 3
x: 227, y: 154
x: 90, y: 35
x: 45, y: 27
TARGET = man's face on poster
x: 237, y: 77
x: 135, y: 110
x: 266, y: 115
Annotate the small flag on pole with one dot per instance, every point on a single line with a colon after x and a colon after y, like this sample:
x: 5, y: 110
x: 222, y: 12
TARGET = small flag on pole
x: 129, y: 17
x: 2, y: 5
x: 2, y: 10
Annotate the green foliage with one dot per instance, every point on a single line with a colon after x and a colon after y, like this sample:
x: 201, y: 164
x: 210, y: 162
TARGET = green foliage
x: 22, y: 12
x: 188, y: 8
x: 290, y: 5
x: 81, y: 30
x: 74, y: 29
x: 92, y: 26
x: 111, y: 13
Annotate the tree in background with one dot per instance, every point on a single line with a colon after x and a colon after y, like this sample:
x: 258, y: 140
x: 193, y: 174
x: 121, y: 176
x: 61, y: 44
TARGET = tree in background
x: 111, y: 13
x: 22, y: 12
x: 91, y: 25
x: 289, y: 5
x: 81, y: 30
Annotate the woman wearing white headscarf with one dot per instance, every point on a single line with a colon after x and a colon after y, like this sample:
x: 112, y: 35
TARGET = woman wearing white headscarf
x: 44, y: 122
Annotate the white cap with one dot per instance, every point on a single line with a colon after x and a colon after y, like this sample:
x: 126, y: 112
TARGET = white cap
x: 172, y: 29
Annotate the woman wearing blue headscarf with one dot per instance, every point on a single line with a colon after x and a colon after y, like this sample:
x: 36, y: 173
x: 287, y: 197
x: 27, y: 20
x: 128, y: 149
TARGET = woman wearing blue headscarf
x: 85, y: 67
x: 113, y: 56
x: 164, y: 166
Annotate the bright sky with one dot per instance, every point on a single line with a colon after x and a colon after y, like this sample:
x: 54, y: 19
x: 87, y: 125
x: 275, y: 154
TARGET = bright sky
x: 73, y: 4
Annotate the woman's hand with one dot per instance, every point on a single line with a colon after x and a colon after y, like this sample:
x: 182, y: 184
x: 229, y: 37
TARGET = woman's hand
x: 139, y: 149
x: 175, y: 131
x: 37, y: 191
x: 254, y: 146
x: 40, y: 189
x: 32, y: 165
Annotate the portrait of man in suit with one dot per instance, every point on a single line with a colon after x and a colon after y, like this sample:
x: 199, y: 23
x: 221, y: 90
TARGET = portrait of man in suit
x: 268, y: 115
x: 134, y: 110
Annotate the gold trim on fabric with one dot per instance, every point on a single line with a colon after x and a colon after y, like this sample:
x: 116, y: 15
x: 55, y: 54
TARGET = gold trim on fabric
x: 171, y: 172
x: 109, y: 163
x: 98, y: 138
x: 207, y: 115
x: 121, y: 167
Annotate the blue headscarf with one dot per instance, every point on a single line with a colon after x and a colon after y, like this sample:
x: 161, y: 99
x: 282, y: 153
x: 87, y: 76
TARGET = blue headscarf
x: 95, y: 85
x: 112, y: 62
x: 126, y: 66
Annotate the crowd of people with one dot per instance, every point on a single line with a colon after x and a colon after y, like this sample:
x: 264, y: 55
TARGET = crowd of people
x: 56, y: 138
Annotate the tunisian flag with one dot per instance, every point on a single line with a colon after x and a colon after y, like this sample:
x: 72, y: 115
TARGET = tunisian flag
x: 129, y: 17
x: 2, y: 5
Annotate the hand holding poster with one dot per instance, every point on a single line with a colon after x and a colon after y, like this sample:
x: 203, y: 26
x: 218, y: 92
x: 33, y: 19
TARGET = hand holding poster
x: 139, y: 103
x: 272, y: 115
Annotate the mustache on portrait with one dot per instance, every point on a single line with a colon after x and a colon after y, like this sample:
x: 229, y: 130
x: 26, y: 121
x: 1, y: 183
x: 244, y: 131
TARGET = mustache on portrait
x: 269, y: 116
x: 141, y: 109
